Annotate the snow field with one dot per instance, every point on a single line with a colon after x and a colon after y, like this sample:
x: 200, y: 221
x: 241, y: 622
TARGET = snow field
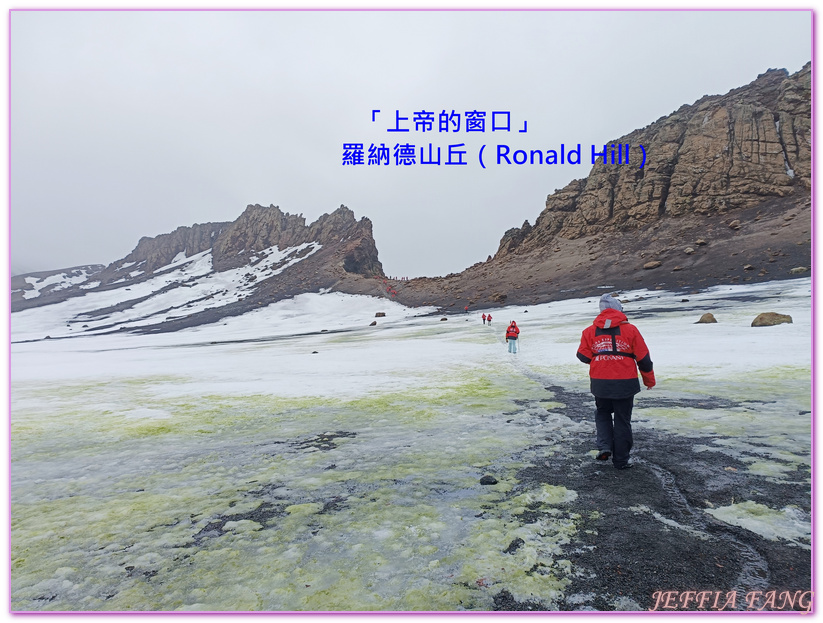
x: 199, y: 471
x: 109, y: 502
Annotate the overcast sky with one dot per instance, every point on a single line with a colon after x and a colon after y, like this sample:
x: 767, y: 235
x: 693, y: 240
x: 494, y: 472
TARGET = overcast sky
x: 132, y: 123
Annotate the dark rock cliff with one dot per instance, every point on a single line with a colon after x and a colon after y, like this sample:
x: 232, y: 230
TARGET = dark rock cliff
x: 724, y: 197
x: 720, y: 154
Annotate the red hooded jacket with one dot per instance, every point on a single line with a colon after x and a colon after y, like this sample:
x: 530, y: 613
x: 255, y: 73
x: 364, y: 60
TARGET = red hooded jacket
x: 615, y: 350
x: 512, y: 331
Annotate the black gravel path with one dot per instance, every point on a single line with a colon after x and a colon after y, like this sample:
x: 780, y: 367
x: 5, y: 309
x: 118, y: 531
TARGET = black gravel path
x: 651, y: 532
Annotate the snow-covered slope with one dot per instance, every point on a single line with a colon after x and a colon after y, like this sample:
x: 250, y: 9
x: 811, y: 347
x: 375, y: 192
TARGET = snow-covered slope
x: 185, y: 286
x: 31, y: 286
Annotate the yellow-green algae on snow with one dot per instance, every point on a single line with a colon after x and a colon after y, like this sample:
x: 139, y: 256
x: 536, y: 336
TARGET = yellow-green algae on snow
x: 770, y: 426
x: 572, y: 377
x: 531, y: 571
x: 791, y: 383
x: 128, y: 498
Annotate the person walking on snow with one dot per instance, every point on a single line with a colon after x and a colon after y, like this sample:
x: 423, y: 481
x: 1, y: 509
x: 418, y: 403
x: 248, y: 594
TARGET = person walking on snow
x: 614, y: 351
x: 484, y: 318
x: 511, y: 336
x: 489, y: 319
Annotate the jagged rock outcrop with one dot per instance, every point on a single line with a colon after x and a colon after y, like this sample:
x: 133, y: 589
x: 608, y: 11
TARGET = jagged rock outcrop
x: 719, y: 154
x: 259, y: 228
x: 256, y: 229
x: 514, y: 237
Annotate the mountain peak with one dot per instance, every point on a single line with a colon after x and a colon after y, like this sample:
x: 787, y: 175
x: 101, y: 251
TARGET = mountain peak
x: 225, y: 269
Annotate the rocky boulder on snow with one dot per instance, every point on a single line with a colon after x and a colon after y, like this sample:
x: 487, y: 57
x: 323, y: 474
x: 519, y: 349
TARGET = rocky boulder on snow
x: 769, y: 319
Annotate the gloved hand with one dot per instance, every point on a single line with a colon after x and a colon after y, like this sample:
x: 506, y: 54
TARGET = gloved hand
x: 648, y: 379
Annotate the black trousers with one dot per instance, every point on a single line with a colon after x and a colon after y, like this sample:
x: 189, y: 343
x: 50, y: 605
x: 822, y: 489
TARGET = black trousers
x: 614, y: 436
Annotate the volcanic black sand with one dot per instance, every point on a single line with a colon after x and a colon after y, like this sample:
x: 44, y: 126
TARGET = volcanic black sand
x: 650, y: 532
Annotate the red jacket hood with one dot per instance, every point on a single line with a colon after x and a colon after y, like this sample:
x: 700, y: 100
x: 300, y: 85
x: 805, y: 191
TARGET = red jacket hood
x: 610, y: 318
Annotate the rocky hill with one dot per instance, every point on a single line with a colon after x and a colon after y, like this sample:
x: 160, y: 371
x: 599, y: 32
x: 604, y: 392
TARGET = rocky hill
x: 724, y: 197
x: 199, y: 274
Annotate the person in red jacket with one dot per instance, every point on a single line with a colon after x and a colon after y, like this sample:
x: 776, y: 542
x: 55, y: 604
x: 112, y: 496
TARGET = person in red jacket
x: 489, y: 319
x: 484, y: 318
x: 614, y: 350
x: 511, y: 336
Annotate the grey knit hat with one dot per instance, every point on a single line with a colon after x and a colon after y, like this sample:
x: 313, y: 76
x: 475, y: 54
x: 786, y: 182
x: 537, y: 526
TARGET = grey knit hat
x: 607, y: 301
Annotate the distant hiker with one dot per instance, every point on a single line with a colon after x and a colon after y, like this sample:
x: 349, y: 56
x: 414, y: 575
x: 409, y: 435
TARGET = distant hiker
x: 466, y: 308
x: 489, y: 319
x: 614, y: 350
x: 511, y: 336
x: 484, y: 318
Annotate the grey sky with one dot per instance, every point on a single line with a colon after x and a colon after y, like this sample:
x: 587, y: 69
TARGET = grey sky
x: 132, y: 123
